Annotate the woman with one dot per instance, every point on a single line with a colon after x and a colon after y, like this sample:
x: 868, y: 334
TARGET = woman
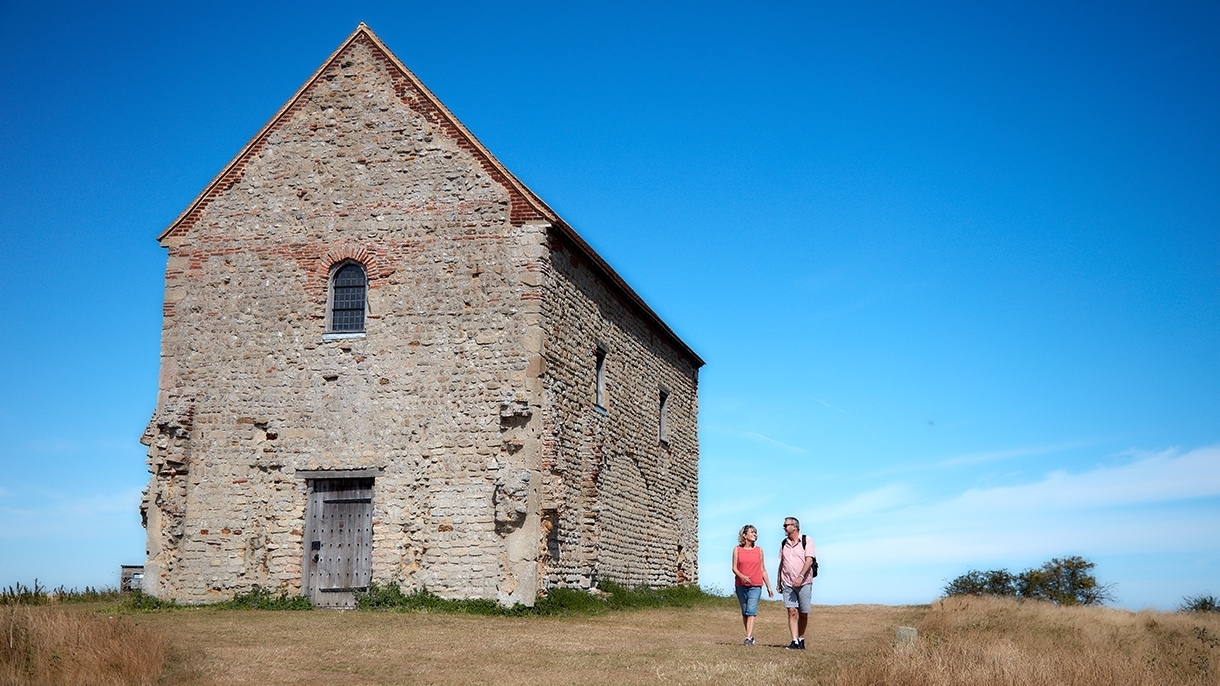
x: 749, y: 572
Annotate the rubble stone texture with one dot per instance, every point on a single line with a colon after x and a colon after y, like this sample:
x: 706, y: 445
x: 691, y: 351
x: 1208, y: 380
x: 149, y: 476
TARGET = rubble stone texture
x: 472, y: 388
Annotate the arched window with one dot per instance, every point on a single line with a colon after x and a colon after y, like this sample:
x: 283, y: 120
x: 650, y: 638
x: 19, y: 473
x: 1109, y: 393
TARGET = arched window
x: 347, y: 288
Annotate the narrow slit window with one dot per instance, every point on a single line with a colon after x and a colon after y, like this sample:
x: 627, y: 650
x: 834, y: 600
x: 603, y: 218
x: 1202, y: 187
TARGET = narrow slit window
x: 599, y: 395
x: 348, y: 299
x: 663, y: 416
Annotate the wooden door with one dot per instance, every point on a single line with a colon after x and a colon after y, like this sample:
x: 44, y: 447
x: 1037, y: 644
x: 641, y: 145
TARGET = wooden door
x: 338, y: 540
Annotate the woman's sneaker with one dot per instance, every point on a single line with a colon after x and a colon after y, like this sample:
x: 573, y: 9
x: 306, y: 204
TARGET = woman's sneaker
x: 748, y: 642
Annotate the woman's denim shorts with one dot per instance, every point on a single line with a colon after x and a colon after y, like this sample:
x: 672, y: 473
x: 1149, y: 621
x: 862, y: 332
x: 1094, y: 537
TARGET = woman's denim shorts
x: 748, y: 597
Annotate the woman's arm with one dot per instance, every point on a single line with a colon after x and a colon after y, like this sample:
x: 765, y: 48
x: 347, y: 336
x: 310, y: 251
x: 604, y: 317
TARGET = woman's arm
x: 736, y: 571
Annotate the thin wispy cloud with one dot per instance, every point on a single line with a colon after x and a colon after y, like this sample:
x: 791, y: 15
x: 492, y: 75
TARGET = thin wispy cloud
x: 886, y: 498
x: 985, y: 457
x: 1163, y: 501
x: 63, y: 516
x: 1026, y: 451
x: 826, y: 404
x: 771, y: 441
x: 1158, y: 477
x: 756, y: 437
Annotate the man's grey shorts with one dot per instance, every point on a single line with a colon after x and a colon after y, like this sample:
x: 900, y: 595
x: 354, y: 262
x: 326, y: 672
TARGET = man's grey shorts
x: 800, y: 597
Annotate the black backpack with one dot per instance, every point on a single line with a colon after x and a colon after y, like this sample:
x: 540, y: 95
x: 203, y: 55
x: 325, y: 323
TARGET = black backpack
x: 813, y: 568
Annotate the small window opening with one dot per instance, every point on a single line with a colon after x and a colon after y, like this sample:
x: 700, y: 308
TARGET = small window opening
x: 550, y: 534
x: 663, y: 416
x: 347, y: 299
x: 599, y: 397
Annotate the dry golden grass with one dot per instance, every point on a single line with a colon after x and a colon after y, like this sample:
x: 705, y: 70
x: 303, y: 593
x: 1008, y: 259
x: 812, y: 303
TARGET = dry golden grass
x: 961, y: 641
x: 53, y: 646
x: 670, y: 646
x: 971, y: 640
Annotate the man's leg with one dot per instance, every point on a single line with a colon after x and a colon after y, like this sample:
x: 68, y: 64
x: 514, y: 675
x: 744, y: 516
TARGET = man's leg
x: 804, y: 605
x: 792, y: 622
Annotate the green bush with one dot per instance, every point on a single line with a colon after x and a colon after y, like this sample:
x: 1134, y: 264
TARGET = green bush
x: 259, y: 598
x: 20, y: 594
x: 38, y: 595
x: 559, y: 601
x: 1200, y: 603
x: 86, y: 595
x: 140, y: 601
x: 1063, y: 581
x: 1067, y: 581
x: 390, y: 597
x: 999, y: 582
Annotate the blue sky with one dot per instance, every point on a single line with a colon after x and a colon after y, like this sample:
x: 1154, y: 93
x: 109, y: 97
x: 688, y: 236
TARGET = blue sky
x: 955, y: 268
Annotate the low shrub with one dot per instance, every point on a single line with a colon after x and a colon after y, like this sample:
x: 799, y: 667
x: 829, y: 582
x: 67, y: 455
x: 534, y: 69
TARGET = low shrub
x: 20, y: 594
x: 391, y: 597
x: 1200, y: 603
x: 142, y: 602
x: 259, y: 598
x: 38, y: 594
x: 558, y: 601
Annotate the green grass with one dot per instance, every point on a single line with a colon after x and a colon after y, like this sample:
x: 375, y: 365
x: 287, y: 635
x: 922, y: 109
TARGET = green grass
x: 20, y: 594
x: 265, y: 599
x: 559, y: 601
x: 608, y: 597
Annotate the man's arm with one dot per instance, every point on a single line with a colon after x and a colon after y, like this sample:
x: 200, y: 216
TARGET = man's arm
x: 808, y: 559
x: 779, y: 569
x: 807, y: 566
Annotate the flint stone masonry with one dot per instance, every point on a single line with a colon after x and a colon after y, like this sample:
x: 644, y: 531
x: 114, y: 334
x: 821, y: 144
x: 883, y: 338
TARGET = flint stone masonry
x: 470, y: 394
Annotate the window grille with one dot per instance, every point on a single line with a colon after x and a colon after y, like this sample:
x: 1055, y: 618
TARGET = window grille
x: 347, y: 299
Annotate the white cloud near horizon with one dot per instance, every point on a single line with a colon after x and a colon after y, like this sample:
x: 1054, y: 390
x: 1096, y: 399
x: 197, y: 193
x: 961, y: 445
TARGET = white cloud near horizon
x: 61, y: 517
x: 1158, y: 502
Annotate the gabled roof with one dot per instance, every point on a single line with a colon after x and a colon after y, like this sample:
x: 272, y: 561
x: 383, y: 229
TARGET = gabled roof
x: 525, y: 205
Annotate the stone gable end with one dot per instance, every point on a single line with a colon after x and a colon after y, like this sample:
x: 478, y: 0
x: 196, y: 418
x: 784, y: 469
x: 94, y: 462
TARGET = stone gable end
x: 448, y: 416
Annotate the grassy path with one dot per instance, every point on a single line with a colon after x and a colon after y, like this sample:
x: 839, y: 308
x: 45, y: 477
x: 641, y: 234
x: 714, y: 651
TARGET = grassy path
x: 670, y: 646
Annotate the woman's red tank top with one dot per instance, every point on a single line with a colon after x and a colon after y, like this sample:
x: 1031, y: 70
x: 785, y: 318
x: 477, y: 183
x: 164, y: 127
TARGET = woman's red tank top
x: 749, y: 562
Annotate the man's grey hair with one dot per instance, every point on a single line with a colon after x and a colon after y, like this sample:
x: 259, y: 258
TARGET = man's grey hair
x: 795, y: 521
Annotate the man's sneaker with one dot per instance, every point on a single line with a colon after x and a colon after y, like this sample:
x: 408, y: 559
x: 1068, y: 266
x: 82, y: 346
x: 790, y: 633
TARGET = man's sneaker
x: 795, y: 645
x: 802, y: 642
x: 748, y: 642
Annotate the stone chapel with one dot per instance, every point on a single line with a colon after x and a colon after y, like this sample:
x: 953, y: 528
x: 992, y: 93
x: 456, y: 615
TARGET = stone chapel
x: 384, y: 359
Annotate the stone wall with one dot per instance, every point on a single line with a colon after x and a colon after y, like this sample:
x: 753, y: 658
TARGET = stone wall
x: 624, y: 502
x: 470, y: 389
x: 250, y: 391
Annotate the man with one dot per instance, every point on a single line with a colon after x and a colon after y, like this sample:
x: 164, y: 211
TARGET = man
x: 795, y: 580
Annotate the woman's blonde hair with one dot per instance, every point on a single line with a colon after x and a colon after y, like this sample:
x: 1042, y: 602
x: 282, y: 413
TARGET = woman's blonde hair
x: 741, y: 537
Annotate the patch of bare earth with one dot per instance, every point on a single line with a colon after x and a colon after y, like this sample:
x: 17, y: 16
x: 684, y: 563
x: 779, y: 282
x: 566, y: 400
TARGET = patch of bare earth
x: 672, y: 646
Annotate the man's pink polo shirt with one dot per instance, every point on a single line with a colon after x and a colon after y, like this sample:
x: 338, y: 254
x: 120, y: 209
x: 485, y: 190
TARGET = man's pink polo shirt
x: 792, y: 557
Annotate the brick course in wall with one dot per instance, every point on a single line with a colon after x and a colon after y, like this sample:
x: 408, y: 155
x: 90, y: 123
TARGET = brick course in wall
x: 470, y: 393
